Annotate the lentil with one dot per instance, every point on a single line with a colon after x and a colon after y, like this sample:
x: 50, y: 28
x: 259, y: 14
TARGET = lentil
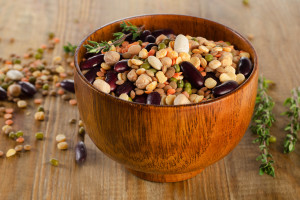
x: 39, y: 135
x: 27, y: 147
x: 54, y: 162
x: 1, y: 153
x: 19, y: 148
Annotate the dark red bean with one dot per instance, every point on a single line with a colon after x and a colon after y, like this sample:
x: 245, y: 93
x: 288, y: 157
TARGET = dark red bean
x: 80, y: 152
x: 192, y: 74
x: 144, y: 34
x: 124, y: 88
x: 121, y: 66
x: 111, y: 78
x: 153, y: 98
x: 92, y: 62
x: 245, y: 66
x: 140, y: 98
x: 224, y: 88
x: 158, y: 32
x: 150, y: 45
x: 3, y: 94
x: 150, y: 39
x: 92, y: 74
x: 27, y: 88
x: 68, y: 85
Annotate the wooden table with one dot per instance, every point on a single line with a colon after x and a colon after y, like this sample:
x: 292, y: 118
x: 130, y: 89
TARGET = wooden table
x: 275, y: 25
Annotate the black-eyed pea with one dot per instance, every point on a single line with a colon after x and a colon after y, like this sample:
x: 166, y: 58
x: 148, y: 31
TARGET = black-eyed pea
x: 160, y: 38
x: 105, y: 66
x: 210, y: 83
x: 151, y: 86
x: 166, y: 61
x: 195, y: 61
x: 214, y: 64
x: 161, y: 77
x: 143, y: 54
x: 170, y: 99
x: 134, y: 49
x: 124, y: 96
x: 240, y: 78
x: 161, y: 53
x: 136, y: 62
x: 140, y: 71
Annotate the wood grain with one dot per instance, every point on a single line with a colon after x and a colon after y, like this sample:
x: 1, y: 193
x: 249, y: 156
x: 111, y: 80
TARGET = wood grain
x: 276, y: 27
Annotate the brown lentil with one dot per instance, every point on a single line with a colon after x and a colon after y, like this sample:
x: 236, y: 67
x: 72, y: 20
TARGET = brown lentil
x: 27, y: 147
x: 19, y: 148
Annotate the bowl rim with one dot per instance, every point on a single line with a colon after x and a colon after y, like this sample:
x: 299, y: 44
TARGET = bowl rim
x: 81, y: 76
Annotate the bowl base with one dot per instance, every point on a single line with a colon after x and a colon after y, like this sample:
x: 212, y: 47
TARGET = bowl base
x: 165, y: 178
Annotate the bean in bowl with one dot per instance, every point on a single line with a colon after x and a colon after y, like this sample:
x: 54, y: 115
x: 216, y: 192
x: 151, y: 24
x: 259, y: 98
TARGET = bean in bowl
x: 162, y: 68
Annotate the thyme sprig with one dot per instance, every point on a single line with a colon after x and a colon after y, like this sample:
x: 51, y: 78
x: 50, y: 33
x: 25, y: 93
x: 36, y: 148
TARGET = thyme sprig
x: 69, y: 48
x: 262, y: 121
x: 127, y: 30
x: 294, y: 126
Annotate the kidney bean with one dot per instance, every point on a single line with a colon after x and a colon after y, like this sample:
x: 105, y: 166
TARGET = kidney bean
x: 92, y: 74
x: 3, y: 94
x: 140, y: 98
x: 245, y: 66
x: 111, y: 78
x: 27, y: 88
x: 68, y: 85
x: 192, y: 74
x: 224, y: 88
x: 124, y: 88
x: 150, y: 45
x: 80, y: 152
x: 158, y: 32
x: 150, y: 39
x: 144, y: 34
x: 92, y: 62
x: 153, y: 98
x: 121, y: 66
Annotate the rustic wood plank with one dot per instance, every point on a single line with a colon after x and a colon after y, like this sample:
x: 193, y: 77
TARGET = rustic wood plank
x: 276, y: 27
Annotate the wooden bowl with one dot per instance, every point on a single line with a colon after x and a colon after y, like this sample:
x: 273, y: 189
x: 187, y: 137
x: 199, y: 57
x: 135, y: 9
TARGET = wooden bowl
x: 167, y: 143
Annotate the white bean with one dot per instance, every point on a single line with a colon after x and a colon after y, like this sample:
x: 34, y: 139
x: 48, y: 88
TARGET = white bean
x: 181, y: 44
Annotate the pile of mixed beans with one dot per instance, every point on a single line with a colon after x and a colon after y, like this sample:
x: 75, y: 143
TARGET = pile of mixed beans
x: 162, y: 68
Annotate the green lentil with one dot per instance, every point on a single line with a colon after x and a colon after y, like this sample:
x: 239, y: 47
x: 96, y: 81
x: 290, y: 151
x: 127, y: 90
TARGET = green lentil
x: 146, y: 66
x: 51, y: 35
x: 19, y: 134
x: 12, y: 135
x: 177, y: 68
x: 41, y: 67
x: 39, y: 50
x: 166, y: 41
x: 81, y: 131
x: 140, y: 42
x: 40, y: 109
x: 161, y: 46
x: 17, y: 61
x: 188, y: 90
x: 129, y: 99
x: 228, y: 43
x: 39, y: 135
x: 54, y: 162
x: 272, y: 139
x: 173, y: 79
x: 153, y: 70
x: 187, y: 85
x: 38, y: 56
x: 180, y: 84
x: 246, y: 2
x: 209, y: 57
x: 4, y: 86
x: 45, y: 86
x: 32, y: 79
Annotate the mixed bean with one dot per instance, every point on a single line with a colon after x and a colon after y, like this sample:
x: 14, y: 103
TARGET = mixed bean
x: 161, y: 68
